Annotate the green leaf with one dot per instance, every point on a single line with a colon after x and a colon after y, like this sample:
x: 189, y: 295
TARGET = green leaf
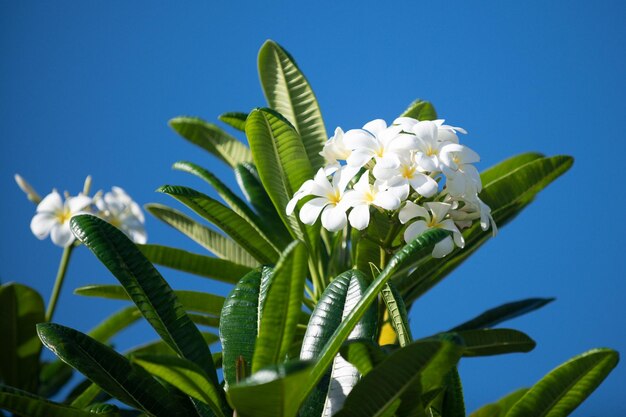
x: 197, y: 301
x: 250, y: 184
x: 271, y: 392
x: 507, y: 166
x: 281, y: 161
x: 485, y: 342
x: 453, y: 404
x: 501, y: 407
x: 22, y: 403
x: 397, y: 313
x: 282, y: 308
x: 204, y: 266
x: 363, y: 354
x: 114, y: 324
x: 212, y: 139
x: 242, y: 232
x: 21, y: 308
x: 184, y: 375
x: 159, y: 347
x: 239, y: 322
x: 338, y: 299
x: 288, y: 92
x: 107, y: 368
x: 222, y: 246
x: 234, y: 119
x: 52, y: 377
x: 420, y: 110
x: 562, y: 390
x: 146, y: 287
x: 418, y: 248
x: 502, y: 313
x: 416, y: 364
x: 506, y: 196
x: 233, y: 201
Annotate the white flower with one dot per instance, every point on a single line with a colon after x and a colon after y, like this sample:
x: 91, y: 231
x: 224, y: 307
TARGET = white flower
x: 435, y: 219
x: 429, y: 144
x: 378, y: 141
x: 334, y: 151
x: 472, y: 209
x: 445, y: 133
x: 462, y: 178
x: 405, y: 174
x: 328, y: 202
x: 53, y: 217
x: 363, y: 195
x: 117, y: 208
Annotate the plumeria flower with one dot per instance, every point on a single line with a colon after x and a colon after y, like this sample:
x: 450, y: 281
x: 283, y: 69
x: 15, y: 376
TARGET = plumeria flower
x: 377, y: 141
x: 53, y: 217
x: 428, y: 145
x: 117, y: 208
x: 446, y: 133
x: 434, y: 216
x: 473, y: 208
x: 462, y: 178
x: 329, y: 199
x: 363, y: 195
x: 406, y: 174
x: 334, y: 151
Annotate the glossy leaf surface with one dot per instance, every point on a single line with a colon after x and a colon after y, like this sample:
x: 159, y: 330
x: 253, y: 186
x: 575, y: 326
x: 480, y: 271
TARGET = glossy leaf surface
x: 25, y: 404
x: 502, y: 313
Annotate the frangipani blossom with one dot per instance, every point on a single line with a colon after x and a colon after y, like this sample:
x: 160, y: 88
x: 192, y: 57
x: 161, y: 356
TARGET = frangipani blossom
x: 406, y: 174
x: 363, y: 195
x: 117, y: 208
x: 53, y: 217
x: 434, y: 217
x: 428, y: 145
x: 328, y: 202
x: 334, y: 151
x: 462, y: 178
x: 377, y: 141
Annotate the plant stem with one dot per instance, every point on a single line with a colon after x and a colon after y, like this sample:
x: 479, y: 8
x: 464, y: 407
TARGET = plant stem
x: 58, y: 283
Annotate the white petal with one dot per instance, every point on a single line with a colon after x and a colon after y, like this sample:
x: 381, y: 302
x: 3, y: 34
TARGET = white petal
x: 427, y: 163
x: 387, y: 200
x: 414, y: 230
x: 363, y: 184
x: 51, y: 203
x: 411, y: 211
x: 310, y: 211
x: 359, y: 157
x: 375, y: 126
x: 425, y: 130
x: 439, y: 210
x: 334, y: 218
x: 443, y: 248
x: 62, y: 235
x: 404, y: 143
x: 360, y: 216
x: 42, y: 223
x: 424, y: 185
x: 359, y: 139
x: 78, y: 203
x: 406, y: 123
x: 344, y: 176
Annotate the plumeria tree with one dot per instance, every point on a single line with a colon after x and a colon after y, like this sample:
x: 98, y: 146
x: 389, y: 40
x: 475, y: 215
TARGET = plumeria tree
x: 332, y: 243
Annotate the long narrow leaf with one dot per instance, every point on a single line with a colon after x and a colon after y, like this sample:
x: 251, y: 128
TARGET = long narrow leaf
x: 219, y: 245
x: 205, y: 266
x: 234, y: 119
x: 212, y: 139
x: 25, y: 404
x: 502, y: 313
x: 288, y: 92
x: 397, y: 313
x: 484, y: 342
x: 500, y: 407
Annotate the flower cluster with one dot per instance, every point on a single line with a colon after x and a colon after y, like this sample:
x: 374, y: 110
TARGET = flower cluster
x: 54, y: 212
x: 417, y: 168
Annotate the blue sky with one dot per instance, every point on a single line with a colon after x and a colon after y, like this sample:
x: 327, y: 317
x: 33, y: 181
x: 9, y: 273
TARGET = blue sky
x: 88, y: 87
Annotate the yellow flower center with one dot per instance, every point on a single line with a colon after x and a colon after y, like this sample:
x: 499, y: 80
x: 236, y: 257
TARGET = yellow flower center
x: 63, y: 215
x: 408, y: 171
x: 369, y: 196
x: 334, y: 197
x: 431, y: 152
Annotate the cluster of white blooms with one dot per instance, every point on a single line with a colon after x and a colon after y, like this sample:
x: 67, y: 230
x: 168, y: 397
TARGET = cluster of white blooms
x: 416, y: 167
x: 54, y: 213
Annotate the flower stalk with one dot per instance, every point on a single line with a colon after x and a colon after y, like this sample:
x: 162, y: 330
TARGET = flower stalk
x: 58, y: 282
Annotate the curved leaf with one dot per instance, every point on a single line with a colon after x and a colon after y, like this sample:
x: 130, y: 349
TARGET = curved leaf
x: 484, y: 342
x: 212, y: 139
x: 281, y: 161
x: 221, y: 246
x: 416, y: 364
x: 227, y: 220
x: 159, y: 347
x: 416, y: 249
x: 396, y: 311
x: 507, y: 166
x: 234, y: 119
x: 114, y: 324
x: 271, y: 392
x: 250, y: 184
x: 420, y: 110
x: 501, y: 407
x: 107, y: 368
x: 562, y: 390
x: 21, y: 308
x: 146, y: 287
x: 506, y: 196
x: 198, y: 301
x: 184, y: 375
x: 288, y: 92
x: 453, y: 404
x: 338, y: 299
x: 502, y: 313
x: 363, y: 354
x: 239, y: 324
x: 282, y: 308
x: 25, y: 404
x: 205, y: 266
